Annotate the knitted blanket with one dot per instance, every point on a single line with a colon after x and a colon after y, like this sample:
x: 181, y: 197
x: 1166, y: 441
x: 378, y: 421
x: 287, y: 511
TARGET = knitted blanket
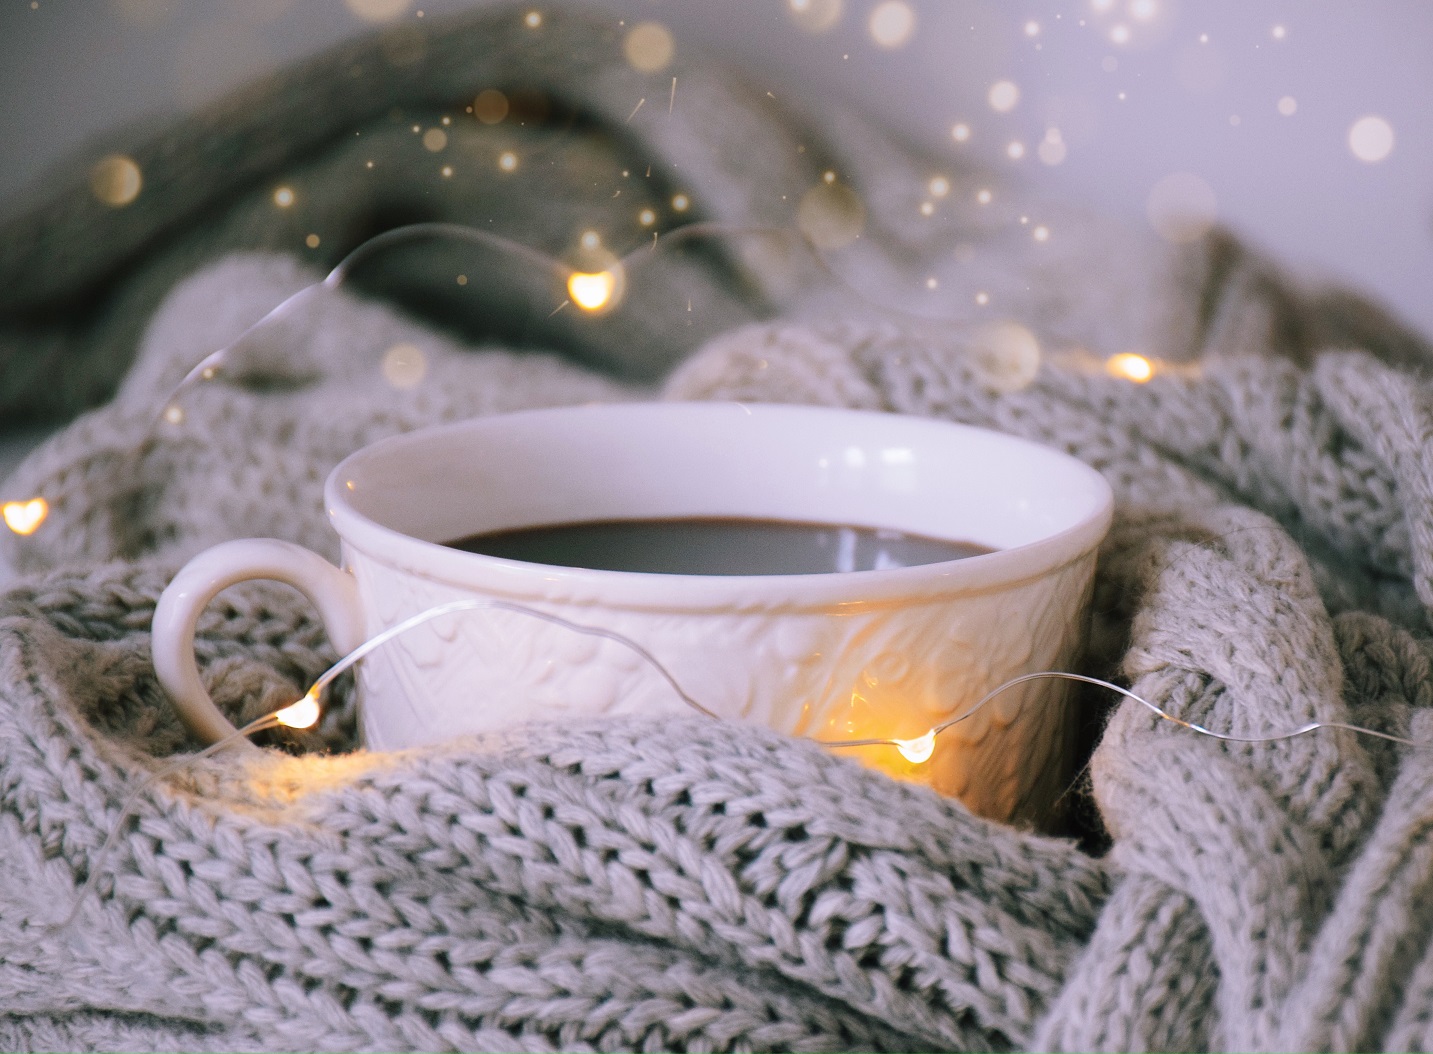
x: 690, y: 885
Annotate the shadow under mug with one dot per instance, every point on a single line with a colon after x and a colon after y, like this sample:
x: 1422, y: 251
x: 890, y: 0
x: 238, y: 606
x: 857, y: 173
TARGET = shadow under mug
x: 866, y: 654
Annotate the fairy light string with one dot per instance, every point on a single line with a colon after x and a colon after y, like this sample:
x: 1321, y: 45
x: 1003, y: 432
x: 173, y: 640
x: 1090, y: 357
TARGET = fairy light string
x: 305, y: 712
x: 595, y: 291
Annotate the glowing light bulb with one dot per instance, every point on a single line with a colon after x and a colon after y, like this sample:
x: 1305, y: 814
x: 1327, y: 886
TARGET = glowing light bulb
x: 918, y: 750
x: 302, y: 714
x: 1129, y: 366
x: 591, y: 292
x: 25, y: 517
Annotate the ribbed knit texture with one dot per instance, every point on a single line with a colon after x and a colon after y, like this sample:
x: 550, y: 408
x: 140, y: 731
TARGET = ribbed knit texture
x: 695, y: 885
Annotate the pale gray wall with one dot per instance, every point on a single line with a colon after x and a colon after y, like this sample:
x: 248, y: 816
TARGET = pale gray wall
x: 69, y: 68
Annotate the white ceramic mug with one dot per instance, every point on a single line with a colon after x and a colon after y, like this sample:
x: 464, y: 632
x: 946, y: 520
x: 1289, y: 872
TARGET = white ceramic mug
x: 865, y: 654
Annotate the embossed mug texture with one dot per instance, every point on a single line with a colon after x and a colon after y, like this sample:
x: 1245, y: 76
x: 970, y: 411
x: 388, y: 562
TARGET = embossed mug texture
x: 837, y: 656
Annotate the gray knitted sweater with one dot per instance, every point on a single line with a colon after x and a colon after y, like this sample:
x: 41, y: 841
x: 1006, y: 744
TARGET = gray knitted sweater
x: 625, y: 885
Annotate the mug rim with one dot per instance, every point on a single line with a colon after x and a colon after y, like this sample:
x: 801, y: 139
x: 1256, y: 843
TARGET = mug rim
x: 852, y: 590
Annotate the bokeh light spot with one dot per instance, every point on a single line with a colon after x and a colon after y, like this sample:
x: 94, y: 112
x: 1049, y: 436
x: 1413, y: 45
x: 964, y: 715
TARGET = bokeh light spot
x: 507, y: 161
x: 1288, y: 106
x: 1371, y: 139
x: 404, y: 365
x: 1003, y: 96
x: 491, y: 106
x: 815, y: 16
x: 892, y: 23
x: 435, y: 139
x: 284, y: 197
x: 1051, y: 150
x: 533, y: 19
x: 116, y: 180
x: 648, y: 47
x: 1006, y: 356
x: 312, y: 241
x: 960, y: 132
x: 1015, y: 151
x: 831, y: 215
x: 378, y: 10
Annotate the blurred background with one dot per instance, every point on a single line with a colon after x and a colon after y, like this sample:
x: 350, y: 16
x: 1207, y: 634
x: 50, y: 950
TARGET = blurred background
x: 1305, y: 125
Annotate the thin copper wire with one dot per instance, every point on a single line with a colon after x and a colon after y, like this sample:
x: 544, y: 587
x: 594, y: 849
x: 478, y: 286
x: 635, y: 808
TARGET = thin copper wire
x: 212, y: 365
x: 453, y: 607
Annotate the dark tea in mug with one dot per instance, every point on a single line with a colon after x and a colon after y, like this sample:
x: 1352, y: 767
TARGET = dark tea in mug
x: 717, y: 546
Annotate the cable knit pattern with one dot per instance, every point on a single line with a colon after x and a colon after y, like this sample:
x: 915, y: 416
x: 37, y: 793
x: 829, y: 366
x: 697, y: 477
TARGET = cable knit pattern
x: 689, y: 885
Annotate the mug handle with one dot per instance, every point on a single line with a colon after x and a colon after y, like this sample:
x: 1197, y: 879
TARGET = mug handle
x: 332, y: 591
